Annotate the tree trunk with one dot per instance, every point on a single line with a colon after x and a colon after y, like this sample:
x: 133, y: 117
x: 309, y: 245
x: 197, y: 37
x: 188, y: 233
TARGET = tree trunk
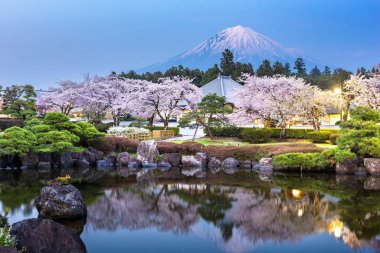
x: 116, y: 120
x: 151, y: 120
x: 209, y: 132
x: 267, y: 122
x: 316, y: 125
x: 166, y: 124
x: 195, y: 133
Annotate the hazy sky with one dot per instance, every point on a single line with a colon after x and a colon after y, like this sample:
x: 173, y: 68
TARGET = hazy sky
x: 44, y: 41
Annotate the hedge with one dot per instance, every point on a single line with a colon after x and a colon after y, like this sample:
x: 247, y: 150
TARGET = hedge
x: 292, y: 133
x: 320, y: 136
x: 256, y: 135
x: 300, y: 161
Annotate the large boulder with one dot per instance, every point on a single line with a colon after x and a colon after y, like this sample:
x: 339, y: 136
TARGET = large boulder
x: 372, y: 165
x: 230, y: 163
x: 81, y: 164
x: 349, y: 167
x: 191, y: 172
x: 30, y: 160
x: 264, y: 165
x: 189, y: 161
x: 44, y: 166
x: 214, y: 165
x: 164, y: 164
x: 202, y: 157
x: 174, y: 159
x: 64, y: 160
x: 124, y: 158
x: 45, y: 236
x: 147, y: 151
x: 61, y: 202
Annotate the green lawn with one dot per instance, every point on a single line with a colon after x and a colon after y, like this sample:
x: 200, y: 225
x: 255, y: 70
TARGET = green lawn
x: 236, y: 142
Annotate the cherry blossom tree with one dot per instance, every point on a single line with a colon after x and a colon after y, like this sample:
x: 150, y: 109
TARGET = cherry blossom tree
x: 368, y: 92
x: 65, y: 97
x: 168, y: 97
x: 279, y: 97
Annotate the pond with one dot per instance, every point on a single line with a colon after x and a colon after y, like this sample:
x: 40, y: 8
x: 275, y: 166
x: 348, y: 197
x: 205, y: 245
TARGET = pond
x: 315, y: 213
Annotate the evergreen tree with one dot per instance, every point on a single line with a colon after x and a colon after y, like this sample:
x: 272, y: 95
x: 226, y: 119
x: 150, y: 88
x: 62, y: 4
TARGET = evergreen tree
x: 287, y: 70
x: 299, y: 66
x: 326, y: 71
x: 278, y: 68
x: 265, y: 69
x: 241, y: 68
x: 210, y: 74
x: 227, y: 64
x: 315, y: 72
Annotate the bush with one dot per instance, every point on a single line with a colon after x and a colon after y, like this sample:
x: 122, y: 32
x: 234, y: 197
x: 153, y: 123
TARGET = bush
x: 112, y: 143
x: 6, y: 239
x: 256, y: 135
x: 122, y: 131
x: 175, y: 129
x: 319, y: 136
x: 333, y: 138
x: 103, y: 127
x: 343, y: 155
x: 185, y: 148
x: 300, y: 161
x: 230, y: 131
x: 88, y: 131
x: 16, y: 140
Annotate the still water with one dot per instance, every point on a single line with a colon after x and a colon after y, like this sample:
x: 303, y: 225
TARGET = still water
x: 324, y: 213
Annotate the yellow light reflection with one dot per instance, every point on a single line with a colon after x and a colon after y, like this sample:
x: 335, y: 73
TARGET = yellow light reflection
x: 296, y: 193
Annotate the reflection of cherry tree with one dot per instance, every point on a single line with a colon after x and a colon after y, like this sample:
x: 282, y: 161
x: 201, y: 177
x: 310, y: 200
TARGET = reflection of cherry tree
x: 138, y: 210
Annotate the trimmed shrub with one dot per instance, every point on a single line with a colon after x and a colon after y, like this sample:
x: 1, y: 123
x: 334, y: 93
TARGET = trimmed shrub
x: 230, y: 131
x: 319, y: 136
x: 256, y: 135
x: 16, y: 140
x: 300, y: 161
x: 103, y: 127
x: 343, y: 155
x: 112, y: 143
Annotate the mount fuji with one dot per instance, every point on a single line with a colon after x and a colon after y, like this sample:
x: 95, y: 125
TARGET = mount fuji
x: 247, y: 45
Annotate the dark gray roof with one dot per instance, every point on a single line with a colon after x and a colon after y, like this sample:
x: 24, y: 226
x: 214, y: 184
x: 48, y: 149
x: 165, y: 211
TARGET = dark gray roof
x: 223, y: 86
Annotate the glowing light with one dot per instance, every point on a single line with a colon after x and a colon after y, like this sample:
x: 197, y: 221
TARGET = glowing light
x: 300, y: 212
x: 338, y: 90
x: 296, y: 193
x: 336, y: 228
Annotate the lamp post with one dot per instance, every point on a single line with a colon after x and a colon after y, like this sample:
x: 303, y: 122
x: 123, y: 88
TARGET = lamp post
x: 338, y: 91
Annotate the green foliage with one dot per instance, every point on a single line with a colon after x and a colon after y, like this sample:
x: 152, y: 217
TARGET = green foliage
x: 256, y: 135
x: 361, y: 134
x: 6, y: 239
x: 265, y: 69
x: 333, y: 138
x: 56, y: 141
x: 16, y: 140
x: 61, y: 180
x: 88, y: 131
x: 55, y: 118
x: 103, y: 127
x: 19, y: 101
x: 319, y: 136
x: 343, y: 155
x: 297, y: 161
x: 139, y: 122
x: 227, y: 64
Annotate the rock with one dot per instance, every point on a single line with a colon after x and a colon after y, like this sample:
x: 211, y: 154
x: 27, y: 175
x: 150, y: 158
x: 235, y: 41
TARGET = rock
x: 102, y: 164
x: 147, y: 151
x: 230, y: 170
x: 89, y: 157
x: 134, y: 165
x: 45, y: 236
x: 246, y: 164
x: 264, y: 165
x: 30, y: 160
x: 265, y: 177
x: 190, y: 161
x: 98, y: 155
x: 147, y: 165
x: 372, y: 183
x: 164, y: 164
x: 45, y: 157
x: 372, y: 165
x: 361, y: 171
x: 61, y: 202
x: 190, y: 172
x: 44, y: 166
x: 111, y: 161
x: 230, y: 163
x: 214, y: 165
x: 8, y: 250
x: 202, y: 157
x: 201, y: 174
x: 82, y: 164
x: 76, y: 155
x: 349, y: 167
x: 65, y: 160
x: 174, y: 159
x: 124, y: 158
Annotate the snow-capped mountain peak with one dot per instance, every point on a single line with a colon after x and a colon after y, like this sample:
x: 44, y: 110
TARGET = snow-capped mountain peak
x: 247, y: 45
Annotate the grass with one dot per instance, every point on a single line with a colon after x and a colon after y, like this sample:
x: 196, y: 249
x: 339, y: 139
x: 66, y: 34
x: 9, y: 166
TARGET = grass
x: 237, y: 142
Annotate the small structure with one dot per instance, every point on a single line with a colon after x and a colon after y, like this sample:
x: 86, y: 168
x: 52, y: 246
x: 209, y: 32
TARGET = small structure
x: 223, y: 86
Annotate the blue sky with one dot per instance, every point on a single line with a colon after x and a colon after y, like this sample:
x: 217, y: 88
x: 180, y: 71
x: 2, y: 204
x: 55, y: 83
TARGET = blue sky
x: 44, y: 41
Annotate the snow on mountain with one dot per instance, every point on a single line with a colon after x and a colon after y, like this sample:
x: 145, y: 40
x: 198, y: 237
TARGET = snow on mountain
x: 247, y: 46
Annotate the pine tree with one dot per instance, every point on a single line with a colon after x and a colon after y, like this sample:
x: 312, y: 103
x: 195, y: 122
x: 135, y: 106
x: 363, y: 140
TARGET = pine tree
x: 278, y: 68
x: 265, y: 69
x: 315, y: 72
x: 299, y: 66
x: 210, y: 74
x: 227, y: 64
x: 326, y: 71
x: 287, y: 70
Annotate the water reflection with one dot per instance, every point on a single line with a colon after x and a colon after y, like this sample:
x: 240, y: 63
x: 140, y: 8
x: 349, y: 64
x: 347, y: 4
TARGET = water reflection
x: 234, y: 218
x: 339, y: 209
